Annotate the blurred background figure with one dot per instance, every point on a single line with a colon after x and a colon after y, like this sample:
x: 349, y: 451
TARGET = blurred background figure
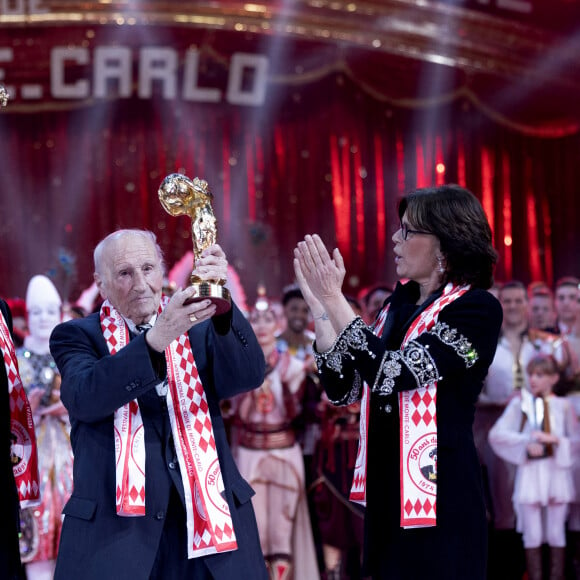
x: 566, y: 302
x: 495, y: 288
x: 295, y: 337
x: 568, y: 321
x: 372, y: 300
x: 270, y: 458
x: 539, y: 433
x: 85, y: 304
x: 19, y: 324
x: 340, y: 521
x: 41, y: 525
x: 542, y: 312
x: 506, y: 377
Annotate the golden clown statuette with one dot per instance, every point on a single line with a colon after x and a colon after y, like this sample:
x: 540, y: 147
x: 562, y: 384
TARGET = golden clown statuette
x: 179, y: 195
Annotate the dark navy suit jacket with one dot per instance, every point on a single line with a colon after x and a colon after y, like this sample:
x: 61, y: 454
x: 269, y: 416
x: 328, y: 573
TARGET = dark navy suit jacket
x: 98, y: 544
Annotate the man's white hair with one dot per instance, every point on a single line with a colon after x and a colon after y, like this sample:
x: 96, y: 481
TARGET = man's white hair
x: 102, y: 245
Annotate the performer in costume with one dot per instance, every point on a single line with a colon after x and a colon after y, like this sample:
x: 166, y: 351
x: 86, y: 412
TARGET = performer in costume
x: 505, y: 378
x: 418, y: 372
x: 41, y: 526
x: 296, y: 339
x: 539, y: 433
x: 20, y: 465
x: 340, y: 521
x: 156, y: 492
x: 270, y: 457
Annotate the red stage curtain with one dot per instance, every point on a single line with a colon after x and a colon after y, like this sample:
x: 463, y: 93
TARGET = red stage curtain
x: 327, y: 158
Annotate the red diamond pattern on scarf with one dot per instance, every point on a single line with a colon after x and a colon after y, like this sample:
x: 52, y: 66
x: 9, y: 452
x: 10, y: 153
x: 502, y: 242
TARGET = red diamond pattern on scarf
x: 134, y: 493
x: 26, y: 475
x: 109, y: 328
x: 198, y: 406
x: 416, y: 417
x: 191, y: 429
x: 18, y: 399
x: 419, y: 507
x: 421, y: 418
x: 203, y: 426
x: 425, y: 406
x: 11, y: 368
x: 228, y: 531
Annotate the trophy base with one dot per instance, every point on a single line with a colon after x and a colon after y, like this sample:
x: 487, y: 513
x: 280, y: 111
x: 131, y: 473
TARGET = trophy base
x: 216, y: 293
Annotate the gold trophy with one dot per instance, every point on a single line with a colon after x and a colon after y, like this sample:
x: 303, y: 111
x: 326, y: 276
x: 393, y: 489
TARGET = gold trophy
x: 179, y: 195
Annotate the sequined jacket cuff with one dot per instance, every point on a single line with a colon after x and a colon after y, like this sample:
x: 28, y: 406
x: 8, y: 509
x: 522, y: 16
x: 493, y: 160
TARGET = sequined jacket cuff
x: 352, y: 338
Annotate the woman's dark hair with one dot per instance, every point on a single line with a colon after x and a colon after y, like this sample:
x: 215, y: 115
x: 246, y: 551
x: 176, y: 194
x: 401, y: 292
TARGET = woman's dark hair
x: 456, y: 217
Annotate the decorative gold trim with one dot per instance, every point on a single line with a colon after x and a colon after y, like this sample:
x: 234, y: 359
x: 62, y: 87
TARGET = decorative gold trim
x: 426, y: 31
x: 485, y: 48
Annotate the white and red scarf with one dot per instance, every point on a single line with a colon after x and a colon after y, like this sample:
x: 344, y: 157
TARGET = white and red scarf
x: 209, y: 523
x: 417, y: 426
x: 23, y: 448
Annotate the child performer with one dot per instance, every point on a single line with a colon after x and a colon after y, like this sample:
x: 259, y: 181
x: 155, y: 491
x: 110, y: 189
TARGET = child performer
x: 539, y: 432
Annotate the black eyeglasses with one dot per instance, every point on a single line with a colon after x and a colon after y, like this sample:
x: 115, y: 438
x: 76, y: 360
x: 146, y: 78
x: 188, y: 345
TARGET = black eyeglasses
x: 405, y: 231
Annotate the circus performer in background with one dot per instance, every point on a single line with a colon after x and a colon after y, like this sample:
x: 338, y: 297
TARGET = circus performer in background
x: 539, y: 433
x: 41, y: 525
x: 270, y: 458
x: 340, y: 521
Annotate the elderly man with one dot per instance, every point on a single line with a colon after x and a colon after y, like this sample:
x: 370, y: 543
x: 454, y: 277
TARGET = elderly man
x: 156, y: 491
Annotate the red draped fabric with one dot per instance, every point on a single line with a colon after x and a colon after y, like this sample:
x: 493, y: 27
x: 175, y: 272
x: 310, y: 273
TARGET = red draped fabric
x: 329, y: 159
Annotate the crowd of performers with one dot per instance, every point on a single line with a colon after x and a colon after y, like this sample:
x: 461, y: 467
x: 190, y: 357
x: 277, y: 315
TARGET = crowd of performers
x: 298, y: 451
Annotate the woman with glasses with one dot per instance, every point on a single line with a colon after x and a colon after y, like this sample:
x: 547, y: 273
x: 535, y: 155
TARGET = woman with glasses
x: 418, y: 371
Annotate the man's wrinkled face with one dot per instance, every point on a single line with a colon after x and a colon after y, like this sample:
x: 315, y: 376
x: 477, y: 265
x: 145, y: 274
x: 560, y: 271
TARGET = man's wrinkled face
x: 132, y: 277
